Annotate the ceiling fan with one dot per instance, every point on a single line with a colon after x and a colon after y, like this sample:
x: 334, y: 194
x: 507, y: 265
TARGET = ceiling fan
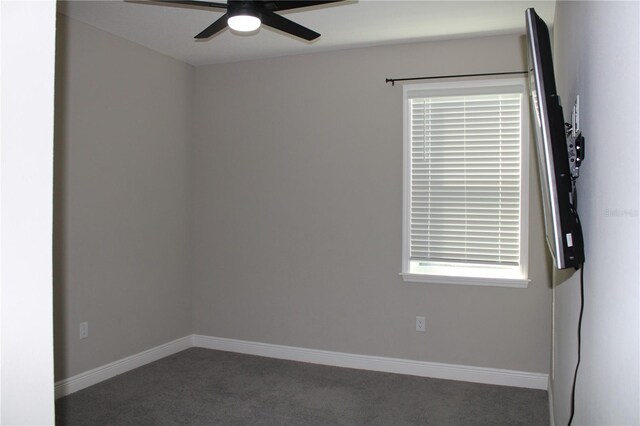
x: 247, y: 16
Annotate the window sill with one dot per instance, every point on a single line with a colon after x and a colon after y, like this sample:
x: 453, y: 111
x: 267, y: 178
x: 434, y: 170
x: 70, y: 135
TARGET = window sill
x: 456, y: 280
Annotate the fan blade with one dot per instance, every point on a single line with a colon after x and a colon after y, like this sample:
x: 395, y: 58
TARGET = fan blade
x: 216, y: 27
x: 195, y: 3
x: 283, y: 24
x: 287, y: 5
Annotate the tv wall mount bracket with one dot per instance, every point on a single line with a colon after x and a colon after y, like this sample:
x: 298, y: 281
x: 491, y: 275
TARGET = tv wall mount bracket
x: 575, y: 141
x: 575, y: 150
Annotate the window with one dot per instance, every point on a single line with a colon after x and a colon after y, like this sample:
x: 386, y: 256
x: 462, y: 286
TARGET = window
x: 465, y: 183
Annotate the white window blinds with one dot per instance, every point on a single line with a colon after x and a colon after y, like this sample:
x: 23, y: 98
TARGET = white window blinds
x: 465, y: 176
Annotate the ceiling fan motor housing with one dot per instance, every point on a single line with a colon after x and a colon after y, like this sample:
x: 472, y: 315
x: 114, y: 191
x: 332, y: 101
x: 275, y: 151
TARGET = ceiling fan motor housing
x: 248, y: 8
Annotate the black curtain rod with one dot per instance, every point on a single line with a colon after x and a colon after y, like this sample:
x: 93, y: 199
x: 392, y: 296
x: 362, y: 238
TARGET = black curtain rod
x: 393, y: 80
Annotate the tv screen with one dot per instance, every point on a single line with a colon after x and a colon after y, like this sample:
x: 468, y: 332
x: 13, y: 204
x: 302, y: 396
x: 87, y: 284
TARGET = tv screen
x: 562, y: 225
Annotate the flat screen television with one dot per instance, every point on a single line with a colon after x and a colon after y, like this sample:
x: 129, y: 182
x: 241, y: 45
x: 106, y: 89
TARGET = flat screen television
x: 562, y: 224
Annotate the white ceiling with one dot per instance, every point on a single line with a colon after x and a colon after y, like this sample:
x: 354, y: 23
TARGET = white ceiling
x: 170, y: 30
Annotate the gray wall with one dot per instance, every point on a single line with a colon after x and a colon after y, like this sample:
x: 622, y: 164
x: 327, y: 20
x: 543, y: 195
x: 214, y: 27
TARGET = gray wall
x: 297, y: 213
x: 121, y: 198
x: 596, y: 57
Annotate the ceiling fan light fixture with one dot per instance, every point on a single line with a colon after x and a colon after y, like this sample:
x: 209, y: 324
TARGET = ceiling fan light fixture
x: 244, y: 20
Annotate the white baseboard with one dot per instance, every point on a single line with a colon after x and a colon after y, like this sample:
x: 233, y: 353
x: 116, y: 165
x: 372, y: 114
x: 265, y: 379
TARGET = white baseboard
x: 552, y: 416
x: 436, y: 370
x: 97, y: 375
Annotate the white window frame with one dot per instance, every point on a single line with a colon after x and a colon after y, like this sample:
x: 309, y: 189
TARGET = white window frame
x: 457, y: 273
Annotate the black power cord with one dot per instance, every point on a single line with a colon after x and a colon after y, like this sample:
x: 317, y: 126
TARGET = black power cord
x: 575, y: 374
x: 574, y: 196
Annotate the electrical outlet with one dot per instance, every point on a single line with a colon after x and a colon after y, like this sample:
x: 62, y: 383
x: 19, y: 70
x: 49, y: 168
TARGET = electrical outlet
x: 84, y: 330
x: 421, y: 323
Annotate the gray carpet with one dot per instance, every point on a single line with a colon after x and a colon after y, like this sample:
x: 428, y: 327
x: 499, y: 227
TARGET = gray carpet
x: 207, y: 387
